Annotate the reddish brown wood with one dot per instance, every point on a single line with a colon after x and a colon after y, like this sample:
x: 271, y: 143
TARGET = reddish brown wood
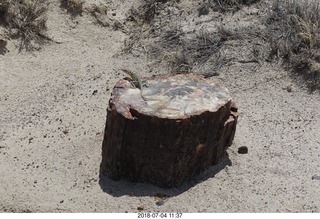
x: 145, y: 145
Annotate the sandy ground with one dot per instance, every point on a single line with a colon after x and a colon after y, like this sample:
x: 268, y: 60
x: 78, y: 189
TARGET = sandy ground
x: 52, y: 117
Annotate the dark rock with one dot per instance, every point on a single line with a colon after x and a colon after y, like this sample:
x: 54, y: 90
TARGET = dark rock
x: 140, y: 208
x: 243, y: 150
x: 30, y: 140
x: 160, y: 202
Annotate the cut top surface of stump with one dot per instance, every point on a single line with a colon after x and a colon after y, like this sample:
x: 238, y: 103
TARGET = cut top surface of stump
x: 172, y: 97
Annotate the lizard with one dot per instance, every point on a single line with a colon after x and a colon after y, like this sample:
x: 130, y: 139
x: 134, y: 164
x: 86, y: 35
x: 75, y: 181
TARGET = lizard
x: 136, y: 82
x: 135, y: 79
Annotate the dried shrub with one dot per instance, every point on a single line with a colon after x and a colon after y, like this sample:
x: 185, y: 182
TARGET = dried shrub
x: 177, y: 62
x: 203, y: 46
x: 145, y: 13
x: 183, y: 53
x: 147, y: 10
x: 140, y: 19
x: 74, y: 7
x: 25, y: 19
x: 229, y: 5
x: 296, y: 36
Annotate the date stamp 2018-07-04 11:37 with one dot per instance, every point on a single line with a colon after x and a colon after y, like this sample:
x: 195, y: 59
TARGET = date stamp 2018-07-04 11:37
x: 159, y: 215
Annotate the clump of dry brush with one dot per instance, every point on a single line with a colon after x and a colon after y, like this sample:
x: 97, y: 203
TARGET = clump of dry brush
x: 296, y: 36
x: 148, y: 10
x: 25, y: 19
x: 170, y: 45
x: 184, y: 53
x: 181, y: 52
x: 223, y: 5
x: 74, y: 7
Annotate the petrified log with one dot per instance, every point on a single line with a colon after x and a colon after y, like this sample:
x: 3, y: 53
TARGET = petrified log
x: 172, y: 129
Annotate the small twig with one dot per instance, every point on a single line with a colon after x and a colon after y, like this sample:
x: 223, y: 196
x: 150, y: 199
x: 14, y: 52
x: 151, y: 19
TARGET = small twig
x: 248, y: 61
x: 316, y: 177
x: 48, y: 38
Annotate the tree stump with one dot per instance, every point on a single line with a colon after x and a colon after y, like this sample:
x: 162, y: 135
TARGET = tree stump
x: 171, y: 130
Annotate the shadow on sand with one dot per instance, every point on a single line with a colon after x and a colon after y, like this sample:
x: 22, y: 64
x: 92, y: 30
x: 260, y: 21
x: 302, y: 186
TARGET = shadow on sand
x: 121, y: 187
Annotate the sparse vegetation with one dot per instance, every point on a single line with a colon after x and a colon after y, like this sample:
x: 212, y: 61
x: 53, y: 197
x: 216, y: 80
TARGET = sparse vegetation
x: 294, y: 24
x: 296, y: 38
x: 223, y: 5
x: 182, y: 52
x: 74, y: 7
x: 145, y: 13
x: 295, y: 28
x: 25, y: 19
x: 148, y: 10
x: 170, y: 45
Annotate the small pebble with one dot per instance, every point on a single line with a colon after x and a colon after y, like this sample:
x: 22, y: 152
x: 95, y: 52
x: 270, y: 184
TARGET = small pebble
x: 316, y: 177
x: 140, y: 208
x: 243, y: 150
x: 160, y: 202
x: 30, y: 140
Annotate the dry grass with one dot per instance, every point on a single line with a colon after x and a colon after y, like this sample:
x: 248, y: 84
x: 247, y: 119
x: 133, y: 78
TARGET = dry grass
x: 25, y: 19
x: 205, y: 51
x: 183, y: 53
x: 170, y: 46
x: 74, y: 7
x: 147, y: 10
x: 296, y: 38
x: 226, y: 5
x: 145, y: 13
x: 141, y: 18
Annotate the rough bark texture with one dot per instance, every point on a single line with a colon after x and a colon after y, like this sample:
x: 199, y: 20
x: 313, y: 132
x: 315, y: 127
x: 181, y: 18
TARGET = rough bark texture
x: 145, y: 145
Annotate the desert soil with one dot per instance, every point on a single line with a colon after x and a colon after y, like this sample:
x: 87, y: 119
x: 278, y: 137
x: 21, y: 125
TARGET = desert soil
x: 53, y: 109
